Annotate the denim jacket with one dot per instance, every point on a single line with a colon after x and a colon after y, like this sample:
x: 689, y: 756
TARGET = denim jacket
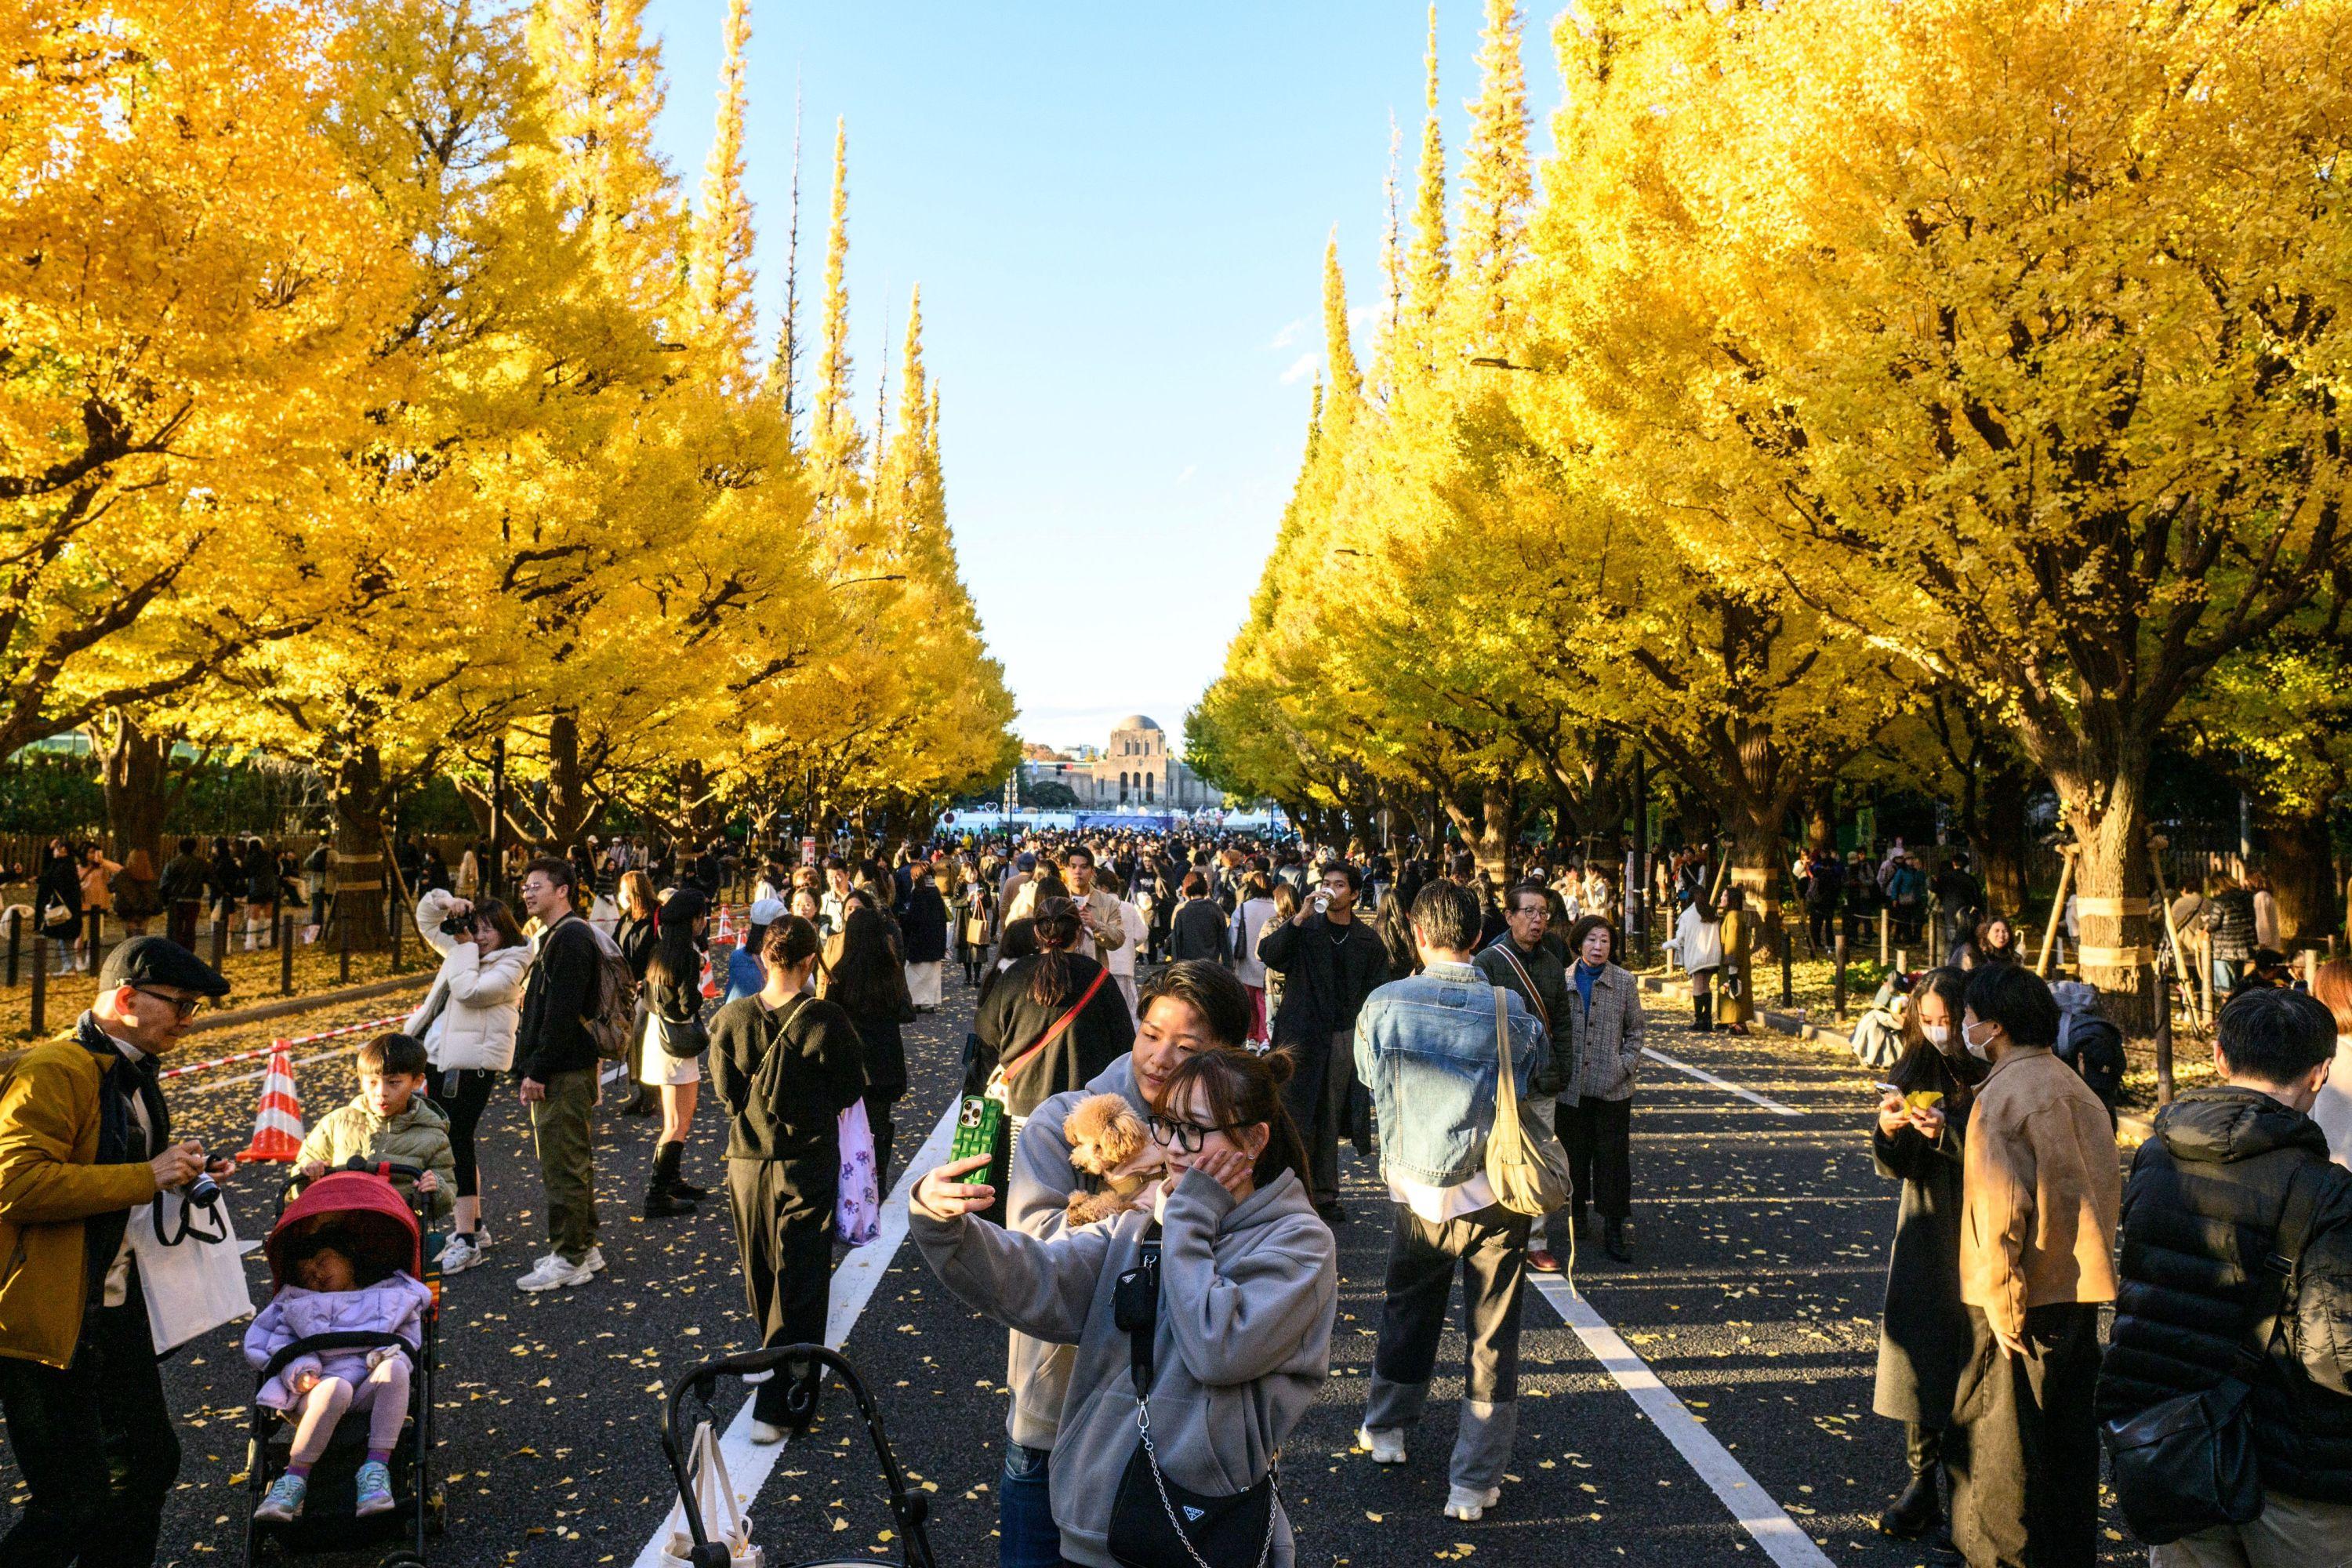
x: 1428, y: 1042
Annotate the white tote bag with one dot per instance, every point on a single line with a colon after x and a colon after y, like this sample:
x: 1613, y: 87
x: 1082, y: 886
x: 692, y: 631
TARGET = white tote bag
x: 857, y: 1201
x: 193, y: 1284
x: 714, y: 1499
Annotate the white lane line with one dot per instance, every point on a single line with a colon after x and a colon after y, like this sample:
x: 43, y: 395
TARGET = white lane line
x: 749, y: 1464
x: 1771, y: 1105
x: 1738, y: 1490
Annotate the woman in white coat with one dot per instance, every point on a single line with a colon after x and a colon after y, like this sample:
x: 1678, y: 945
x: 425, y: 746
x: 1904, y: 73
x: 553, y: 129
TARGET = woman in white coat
x: 1698, y: 944
x: 1249, y: 921
x: 467, y: 1023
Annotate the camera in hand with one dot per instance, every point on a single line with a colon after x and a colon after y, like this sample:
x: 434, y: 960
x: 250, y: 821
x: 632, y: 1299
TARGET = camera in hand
x: 457, y: 925
x: 203, y: 1192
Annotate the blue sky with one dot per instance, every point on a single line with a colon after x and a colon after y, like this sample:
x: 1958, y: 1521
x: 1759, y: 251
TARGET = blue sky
x: 1117, y: 215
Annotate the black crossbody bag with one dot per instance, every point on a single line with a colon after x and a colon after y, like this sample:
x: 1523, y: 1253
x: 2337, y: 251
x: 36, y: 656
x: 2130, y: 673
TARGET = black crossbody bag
x: 2189, y: 1464
x: 1154, y: 1522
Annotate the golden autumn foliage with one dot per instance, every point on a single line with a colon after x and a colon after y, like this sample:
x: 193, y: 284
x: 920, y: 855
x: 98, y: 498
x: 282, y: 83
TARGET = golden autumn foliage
x: 370, y: 395
x: 1850, y: 356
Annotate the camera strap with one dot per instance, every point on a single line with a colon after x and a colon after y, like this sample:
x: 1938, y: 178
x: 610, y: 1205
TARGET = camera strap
x: 217, y: 1231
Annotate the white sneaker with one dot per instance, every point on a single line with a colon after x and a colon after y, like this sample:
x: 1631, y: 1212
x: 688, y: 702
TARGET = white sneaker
x: 766, y: 1432
x: 594, y: 1262
x: 1387, y: 1443
x: 551, y: 1272
x: 482, y: 1242
x: 461, y: 1253
x: 1467, y: 1503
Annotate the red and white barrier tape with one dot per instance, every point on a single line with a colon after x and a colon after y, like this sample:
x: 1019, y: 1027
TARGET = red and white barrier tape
x: 260, y: 1051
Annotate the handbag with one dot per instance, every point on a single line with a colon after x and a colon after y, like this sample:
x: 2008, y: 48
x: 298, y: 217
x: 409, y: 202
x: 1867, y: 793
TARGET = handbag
x: 858, y: 1197
x: 2189, y: 1463
x: 677, y: 1037
x: 1525, y: 1163
x: 1154, y: 1522
x: 190, y: 1273
x: 714, y: 1497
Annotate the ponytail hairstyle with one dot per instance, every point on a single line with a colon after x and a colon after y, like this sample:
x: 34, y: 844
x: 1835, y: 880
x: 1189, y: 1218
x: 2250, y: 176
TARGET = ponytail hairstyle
x: 1054, y: 922
x: 1243, y: 1089
x: 676, y: 961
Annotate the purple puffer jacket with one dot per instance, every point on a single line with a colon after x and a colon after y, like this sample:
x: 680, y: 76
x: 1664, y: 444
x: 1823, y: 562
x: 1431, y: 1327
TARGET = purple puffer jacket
x: 393, y: 1305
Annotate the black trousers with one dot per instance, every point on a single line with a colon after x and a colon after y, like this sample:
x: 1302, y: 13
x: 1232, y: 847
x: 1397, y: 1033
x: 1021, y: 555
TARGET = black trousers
x: 2023, y: 1447
x: 1490, y: 1249
x: 96, y: 1447
x: 1597, y: 1135
x: 1317, y: 1096
x: 465, y: 1094
x: 180, y: 922
x: 784, y: 1229
x: 877, y: 1119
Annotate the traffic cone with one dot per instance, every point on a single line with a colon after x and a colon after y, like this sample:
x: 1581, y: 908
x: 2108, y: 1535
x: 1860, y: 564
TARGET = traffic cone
x: 278, y: 1121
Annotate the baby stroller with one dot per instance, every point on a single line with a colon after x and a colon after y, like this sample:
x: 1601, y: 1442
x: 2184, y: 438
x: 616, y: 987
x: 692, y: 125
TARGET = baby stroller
x: 908, y: 1508
x: 364, y: 1205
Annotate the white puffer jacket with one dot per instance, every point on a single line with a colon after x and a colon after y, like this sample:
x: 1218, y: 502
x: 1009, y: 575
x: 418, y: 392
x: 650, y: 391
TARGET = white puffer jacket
x: 470, y: 1016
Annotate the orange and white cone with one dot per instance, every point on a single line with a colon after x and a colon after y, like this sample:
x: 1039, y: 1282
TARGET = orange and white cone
x: 277, y: 1122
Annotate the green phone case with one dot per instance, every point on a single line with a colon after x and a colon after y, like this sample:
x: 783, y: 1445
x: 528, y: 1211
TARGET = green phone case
x: 977, y: 1125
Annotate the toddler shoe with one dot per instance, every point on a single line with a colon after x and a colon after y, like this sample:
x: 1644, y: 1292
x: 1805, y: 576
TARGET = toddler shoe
x: 375, y: 1489
x: 284, y: 1503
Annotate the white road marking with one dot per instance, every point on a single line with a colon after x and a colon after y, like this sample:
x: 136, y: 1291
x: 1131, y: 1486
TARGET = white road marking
x: 1738, y: 1490
x: 749, y: 1464
x: 1771, y: 1105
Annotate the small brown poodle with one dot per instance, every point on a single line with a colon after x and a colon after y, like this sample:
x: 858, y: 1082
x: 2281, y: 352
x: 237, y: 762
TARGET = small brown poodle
x: 1108, y: 1140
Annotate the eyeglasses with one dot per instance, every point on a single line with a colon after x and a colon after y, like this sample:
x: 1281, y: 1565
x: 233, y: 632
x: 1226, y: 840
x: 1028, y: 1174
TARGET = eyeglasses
x: 187, y: 1006
x: 1184, y: 1135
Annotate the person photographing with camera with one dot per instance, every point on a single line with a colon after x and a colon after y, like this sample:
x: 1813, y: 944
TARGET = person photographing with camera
x: 467, y: 1022
x: 85, y: 1138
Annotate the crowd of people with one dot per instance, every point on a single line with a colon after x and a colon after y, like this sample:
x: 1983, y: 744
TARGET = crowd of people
x: 1182, y: 1037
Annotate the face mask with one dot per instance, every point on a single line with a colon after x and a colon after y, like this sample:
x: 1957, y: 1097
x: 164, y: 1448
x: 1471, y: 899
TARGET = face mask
x: 1983, y: 1053
x: 1937, y: 1034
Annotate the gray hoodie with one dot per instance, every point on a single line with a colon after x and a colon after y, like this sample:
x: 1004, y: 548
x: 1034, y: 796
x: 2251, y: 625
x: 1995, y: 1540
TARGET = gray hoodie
x: 1247, y: 1294
x: 1037, y: 1372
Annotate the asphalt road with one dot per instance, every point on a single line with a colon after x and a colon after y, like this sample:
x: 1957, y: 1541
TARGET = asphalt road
x: 1748, y: 1318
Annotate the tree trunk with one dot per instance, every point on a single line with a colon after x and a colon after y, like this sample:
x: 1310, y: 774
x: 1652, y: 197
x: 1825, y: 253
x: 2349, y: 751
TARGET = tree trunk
x: 2296, y: 850
x: 1757, y: 852
x: 2111, y: 885
x: 1821, y: 818
x: 569, y: 809
x: 1491, y: 834
x: 2002, y: 844
x: 137, y: 799
x: 356, y: 856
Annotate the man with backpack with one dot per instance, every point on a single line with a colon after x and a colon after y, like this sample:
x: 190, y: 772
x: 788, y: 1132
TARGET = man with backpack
x: 2237, y: 1263
x: 578, y: 982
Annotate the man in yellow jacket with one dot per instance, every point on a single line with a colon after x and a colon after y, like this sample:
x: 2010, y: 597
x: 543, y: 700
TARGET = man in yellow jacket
x: 84, y: 1139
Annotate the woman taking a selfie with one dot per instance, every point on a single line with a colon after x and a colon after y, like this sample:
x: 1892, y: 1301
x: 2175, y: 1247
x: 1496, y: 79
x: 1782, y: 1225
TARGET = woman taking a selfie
x: 1923, y: 1339
x: 1239, y: 1325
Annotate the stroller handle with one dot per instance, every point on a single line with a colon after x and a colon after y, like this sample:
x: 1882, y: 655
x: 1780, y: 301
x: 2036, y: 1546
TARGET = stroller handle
x: 910, y: 1508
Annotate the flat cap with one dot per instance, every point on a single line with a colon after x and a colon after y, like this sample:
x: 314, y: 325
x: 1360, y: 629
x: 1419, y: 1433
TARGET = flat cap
x: 158, y: 960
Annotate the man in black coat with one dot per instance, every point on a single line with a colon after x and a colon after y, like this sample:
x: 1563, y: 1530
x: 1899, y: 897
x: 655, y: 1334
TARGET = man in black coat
x: 1329, y: 962
x: 182, y: 891
x: 556, y: 1059
x: 2234, y: 1175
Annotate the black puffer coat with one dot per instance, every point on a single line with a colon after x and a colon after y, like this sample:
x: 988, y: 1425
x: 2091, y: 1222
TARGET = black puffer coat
x: 2199, y: 1213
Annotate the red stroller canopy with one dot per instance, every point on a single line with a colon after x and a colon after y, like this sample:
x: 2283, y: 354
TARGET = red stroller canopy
x: 359, y: 1202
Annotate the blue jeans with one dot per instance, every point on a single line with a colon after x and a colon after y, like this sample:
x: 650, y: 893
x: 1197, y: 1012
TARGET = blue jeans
x: 1027, y: 1536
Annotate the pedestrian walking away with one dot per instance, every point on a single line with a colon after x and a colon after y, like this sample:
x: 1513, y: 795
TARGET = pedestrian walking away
x: 1427, y: 1047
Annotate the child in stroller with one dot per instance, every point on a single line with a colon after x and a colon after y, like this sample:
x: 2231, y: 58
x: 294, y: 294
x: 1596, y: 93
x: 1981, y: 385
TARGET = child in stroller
x: 349, y: 1327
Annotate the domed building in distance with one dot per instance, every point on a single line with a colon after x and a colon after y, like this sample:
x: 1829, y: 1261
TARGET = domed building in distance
x: 1135, y: 770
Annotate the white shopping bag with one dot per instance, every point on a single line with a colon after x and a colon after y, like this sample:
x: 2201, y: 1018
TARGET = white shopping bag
x: 714, y: 1498
x: 857, y: 1200
x: 194, y: 1274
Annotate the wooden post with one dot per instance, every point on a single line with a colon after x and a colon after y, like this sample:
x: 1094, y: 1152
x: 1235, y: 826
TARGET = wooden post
x: 2205, y: 972
x: 220, y: 940
x: 1837, y: 951
x: 286, y: 955
x: 2163, y: 1038
x: 343, y: 940
x: 40, y: 985
x: 1903, y: 960
x: 96, y: 936
x: 16, y: 944
x: 1885, y: 937
x: 2057, y: 907
x: 392, y: 919
x: 1788, y: 951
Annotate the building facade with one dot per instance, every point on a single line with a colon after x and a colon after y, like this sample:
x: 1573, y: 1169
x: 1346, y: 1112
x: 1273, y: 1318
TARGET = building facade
x: 1136, y: 769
